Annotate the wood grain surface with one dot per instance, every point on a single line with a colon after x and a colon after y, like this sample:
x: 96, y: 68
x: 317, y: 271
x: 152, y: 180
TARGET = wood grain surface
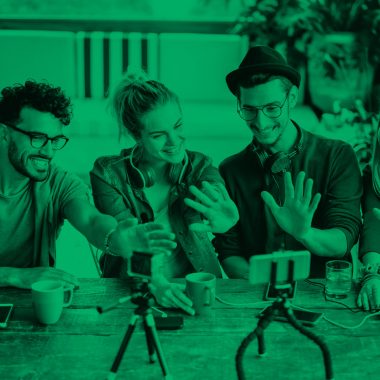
x: 83, y: 343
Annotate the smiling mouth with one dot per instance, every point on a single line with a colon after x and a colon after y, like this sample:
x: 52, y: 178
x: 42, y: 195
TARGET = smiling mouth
x: 40, y: 163
x: 172, y: 150
x: 265, y: 131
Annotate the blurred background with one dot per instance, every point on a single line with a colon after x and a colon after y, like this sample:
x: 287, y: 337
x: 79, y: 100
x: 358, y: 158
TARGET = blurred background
x: 85, y: 46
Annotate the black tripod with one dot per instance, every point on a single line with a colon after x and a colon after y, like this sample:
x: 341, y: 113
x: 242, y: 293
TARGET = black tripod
x: 281, y: 306
x: 144, y: 300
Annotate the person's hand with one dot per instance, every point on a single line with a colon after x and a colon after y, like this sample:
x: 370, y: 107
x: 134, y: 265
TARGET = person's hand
x: 295, y: 216
x: 148, y: 237
x: 369, y: 295
x: 25, y: 277
x: 214, y: 203
x: 169, y: 294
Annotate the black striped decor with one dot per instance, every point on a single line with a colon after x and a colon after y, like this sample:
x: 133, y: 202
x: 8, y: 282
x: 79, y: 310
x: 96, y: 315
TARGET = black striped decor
x: 105, y: 61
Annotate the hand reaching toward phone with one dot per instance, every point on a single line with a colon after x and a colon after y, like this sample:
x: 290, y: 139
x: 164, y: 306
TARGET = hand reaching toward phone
x: 214, y: 203
x: 369, y: 295
x: 148, y: 237
x: 169, y: 294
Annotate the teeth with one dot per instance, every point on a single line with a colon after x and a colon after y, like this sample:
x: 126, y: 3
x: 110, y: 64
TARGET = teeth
x: 40, y: 163
x: 172, y: 151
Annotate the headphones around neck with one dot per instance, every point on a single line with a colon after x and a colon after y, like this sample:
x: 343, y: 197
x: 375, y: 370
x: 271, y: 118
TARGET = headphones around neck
x: 280, y: 161
x: 142, y: 176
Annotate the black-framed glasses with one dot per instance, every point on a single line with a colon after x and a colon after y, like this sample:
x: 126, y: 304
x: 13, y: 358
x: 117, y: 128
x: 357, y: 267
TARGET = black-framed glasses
x: 271, y: 110
x: 39, y: 140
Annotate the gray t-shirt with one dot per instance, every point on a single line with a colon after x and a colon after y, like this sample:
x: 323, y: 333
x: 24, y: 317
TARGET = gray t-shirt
x: 17, y: 229
x: 30, y: 220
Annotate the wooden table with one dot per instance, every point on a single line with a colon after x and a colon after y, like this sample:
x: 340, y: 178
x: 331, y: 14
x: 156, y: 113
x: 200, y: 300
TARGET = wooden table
x: 83, y: 344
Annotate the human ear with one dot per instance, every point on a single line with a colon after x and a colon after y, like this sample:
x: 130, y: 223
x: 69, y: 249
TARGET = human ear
x: 293, y: 96
x: 3, y: 132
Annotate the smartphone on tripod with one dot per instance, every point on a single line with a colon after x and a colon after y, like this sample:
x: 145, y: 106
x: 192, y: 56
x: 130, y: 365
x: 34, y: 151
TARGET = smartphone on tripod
x: 294, y: 263
x: 139, y: 265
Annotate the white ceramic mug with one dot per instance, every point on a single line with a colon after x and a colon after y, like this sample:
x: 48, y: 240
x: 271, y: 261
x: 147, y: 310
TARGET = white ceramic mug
x: 200, y: 287
x: 49, y: 298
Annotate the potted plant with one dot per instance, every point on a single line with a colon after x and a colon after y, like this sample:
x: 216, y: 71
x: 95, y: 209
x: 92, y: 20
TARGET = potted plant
x: 338, y: 41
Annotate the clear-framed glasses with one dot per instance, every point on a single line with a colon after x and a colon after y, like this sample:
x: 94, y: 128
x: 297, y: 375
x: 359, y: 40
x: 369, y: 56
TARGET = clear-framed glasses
x: 39, y: 140
x: 271, y: 110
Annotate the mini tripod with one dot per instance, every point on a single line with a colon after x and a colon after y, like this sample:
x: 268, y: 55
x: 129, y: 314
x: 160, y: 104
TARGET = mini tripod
x: 281, y: 306
x: 144, y: 300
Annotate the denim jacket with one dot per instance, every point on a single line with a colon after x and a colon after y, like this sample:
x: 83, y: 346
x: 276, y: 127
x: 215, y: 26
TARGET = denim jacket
x: 114, y: 195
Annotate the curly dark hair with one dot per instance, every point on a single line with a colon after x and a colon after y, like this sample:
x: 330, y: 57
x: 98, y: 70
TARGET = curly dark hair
x: 41, y: 96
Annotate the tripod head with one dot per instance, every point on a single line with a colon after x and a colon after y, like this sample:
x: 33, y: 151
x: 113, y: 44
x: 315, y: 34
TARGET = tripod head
x: 141, y: 294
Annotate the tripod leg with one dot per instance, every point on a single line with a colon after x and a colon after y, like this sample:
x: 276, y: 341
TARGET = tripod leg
x: 149, y: 342
x: 151, y: 326
x: 123, y: 347
x: 261, y: 342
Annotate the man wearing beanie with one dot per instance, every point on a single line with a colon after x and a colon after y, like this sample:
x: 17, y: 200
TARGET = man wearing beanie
x: 294, y: 190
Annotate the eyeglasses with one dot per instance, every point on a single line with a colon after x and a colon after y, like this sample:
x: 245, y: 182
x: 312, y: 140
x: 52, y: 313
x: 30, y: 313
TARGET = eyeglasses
x: 39, y: 140
x: 270, y: 110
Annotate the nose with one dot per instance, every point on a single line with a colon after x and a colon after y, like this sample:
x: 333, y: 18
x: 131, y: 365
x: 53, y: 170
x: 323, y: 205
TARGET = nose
x: 174, y: 138
x: 261, y: 121
x: 47, y: 149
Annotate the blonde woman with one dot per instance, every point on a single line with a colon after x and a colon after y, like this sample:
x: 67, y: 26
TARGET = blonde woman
x: 156, y: 179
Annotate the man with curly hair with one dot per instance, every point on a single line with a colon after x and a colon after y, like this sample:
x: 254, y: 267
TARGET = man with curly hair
x: 36, y: 196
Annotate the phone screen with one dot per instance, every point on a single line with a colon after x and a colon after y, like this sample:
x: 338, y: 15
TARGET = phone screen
x: 5, y: 312
x: 305, y: 317
x: 169, y: 323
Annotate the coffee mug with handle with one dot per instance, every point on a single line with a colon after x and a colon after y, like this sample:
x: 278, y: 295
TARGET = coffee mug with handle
x: 49, y: 298
x: 200, y: 287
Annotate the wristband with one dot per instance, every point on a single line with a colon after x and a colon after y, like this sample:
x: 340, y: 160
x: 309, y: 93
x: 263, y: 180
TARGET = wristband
x: 372, y: 268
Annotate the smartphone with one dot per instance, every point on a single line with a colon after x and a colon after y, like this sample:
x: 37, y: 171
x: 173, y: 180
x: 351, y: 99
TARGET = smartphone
x: 168, y: 323
x: 308, y: 318
x: 260, y: 266
x: 140, y: 265
x: 271, y: 292
x: 5, y: 313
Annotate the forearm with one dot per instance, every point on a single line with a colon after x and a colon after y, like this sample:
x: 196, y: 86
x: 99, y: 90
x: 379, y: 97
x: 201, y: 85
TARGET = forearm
x: 327, y: 243
x: 98, y: 228
x: 236, y: 267
x: 7, y: 276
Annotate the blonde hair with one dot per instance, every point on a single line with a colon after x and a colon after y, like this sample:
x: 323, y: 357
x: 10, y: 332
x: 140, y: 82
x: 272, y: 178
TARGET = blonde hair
x: 134, y: 96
